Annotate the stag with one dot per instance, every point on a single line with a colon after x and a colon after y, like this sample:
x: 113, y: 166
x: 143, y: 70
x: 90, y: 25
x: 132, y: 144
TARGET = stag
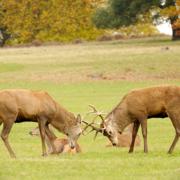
x: 20, y: 105
x: 61, y: 144
x: 138, y: 106
x: 124, y: 139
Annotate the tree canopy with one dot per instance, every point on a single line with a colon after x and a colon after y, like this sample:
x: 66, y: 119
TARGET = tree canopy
x: 126, y: 12
x: 47, y: 20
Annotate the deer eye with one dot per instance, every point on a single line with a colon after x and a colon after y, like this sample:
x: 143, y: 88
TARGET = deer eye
x: 110, y: 132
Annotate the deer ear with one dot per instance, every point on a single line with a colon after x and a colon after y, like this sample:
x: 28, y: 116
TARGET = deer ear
x: 79, y: 118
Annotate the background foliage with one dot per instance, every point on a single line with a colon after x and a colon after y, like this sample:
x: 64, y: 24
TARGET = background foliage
x: 127, y: 12
x: 47, y: 20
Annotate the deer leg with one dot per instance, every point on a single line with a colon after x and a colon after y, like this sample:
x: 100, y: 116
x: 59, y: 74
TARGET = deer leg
x: 41, y: 124
x: 144, y: 133
x: 173, y: 116
x: 4, y: 135
x: 50, y: 140
x: 134, y: 133
x: 174, y: 143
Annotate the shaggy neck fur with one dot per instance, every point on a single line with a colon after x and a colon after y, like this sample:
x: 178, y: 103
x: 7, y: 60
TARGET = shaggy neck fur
x: 66, y: 119
x: 120, y: 116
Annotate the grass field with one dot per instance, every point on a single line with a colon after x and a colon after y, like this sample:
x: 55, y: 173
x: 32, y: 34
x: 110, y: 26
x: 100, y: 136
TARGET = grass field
x: 99, y: 74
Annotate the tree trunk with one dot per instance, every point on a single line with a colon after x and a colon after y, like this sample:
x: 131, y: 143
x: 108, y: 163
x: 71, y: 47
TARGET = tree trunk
x: 176, y: 30
x: 176, y: 34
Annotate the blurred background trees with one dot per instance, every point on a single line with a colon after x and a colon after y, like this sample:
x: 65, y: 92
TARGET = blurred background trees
x: 47, y: 20
x: 27, y: 21
x: 123, y: 13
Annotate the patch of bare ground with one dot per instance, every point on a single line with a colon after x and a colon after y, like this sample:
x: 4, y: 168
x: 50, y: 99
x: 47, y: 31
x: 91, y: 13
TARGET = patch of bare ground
x: 85, y: 76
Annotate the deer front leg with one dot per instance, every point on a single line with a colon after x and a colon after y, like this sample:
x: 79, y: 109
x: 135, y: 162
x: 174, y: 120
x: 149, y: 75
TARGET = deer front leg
x: 41, y: 123
x: 50, y: 140
x: 144, y: 133
x: 134, y: 133
x: 4, y: 135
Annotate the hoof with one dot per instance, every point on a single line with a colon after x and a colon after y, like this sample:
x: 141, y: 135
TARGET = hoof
x: 44, y: 154
x: 13, y: 156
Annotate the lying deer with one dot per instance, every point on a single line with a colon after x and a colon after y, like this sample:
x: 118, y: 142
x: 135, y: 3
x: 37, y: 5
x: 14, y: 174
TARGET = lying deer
x: 61, y: 144
x: 138, y: 106
x: 18, y: 105
x: 124, y: 139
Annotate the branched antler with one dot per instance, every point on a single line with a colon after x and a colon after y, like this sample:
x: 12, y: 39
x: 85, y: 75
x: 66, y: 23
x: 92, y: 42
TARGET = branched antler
x: 94, y: 128
x: 97, y: 113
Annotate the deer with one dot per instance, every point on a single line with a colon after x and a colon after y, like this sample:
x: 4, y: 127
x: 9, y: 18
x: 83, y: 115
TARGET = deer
x: 61, y: 144
x: 23, y: 105
x: 136, y: 107
x: 124, y: 139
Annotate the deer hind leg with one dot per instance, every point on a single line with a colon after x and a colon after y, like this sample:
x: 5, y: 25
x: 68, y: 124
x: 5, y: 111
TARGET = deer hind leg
x: 173, y: 143
x: 143, y: 123
x: 176, y: 123
x: 134, y: 133
x: 41, y: 123
x: 4, y: 135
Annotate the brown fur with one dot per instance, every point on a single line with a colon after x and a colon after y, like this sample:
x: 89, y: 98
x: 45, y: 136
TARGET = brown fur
x: 61, y: 144
x: 139, y: 105
x: 124, y: 139
x: 20, y: 105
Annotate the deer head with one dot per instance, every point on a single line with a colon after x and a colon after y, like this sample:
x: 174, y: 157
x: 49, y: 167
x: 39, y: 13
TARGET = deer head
x: 110, y: 129
x: 74, y: 132
x: 107, y: 127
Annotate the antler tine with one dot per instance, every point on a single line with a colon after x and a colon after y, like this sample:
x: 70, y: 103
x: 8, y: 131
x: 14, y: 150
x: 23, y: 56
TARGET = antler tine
x: 87, y: 125
x: 97, y: 113
x: 93, y: 127
x: 93, y: 112
x: 95, y: 135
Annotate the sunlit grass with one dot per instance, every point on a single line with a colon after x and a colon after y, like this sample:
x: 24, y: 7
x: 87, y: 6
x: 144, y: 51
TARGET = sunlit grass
x: 64, y: 71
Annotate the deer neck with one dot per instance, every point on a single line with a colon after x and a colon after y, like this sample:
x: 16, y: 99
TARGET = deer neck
x: 63, y: 119
x: 121, y: 118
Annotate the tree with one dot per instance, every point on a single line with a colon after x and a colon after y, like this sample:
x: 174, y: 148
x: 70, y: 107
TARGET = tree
x: 172, y: 13
x: 126, y: 12
x: 47, y: 20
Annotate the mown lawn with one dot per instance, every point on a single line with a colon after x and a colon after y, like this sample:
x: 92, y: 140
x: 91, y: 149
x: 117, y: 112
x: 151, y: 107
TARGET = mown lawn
x: 99, y: 74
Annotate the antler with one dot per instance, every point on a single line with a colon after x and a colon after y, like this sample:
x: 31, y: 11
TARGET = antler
x: 98, y: 114
x: 98, y: 130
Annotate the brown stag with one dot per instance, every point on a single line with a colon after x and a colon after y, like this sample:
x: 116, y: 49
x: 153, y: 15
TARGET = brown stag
x: 20, y: 105
x: 138, y: 106
x: 124, y: 139
x: 61, y: 144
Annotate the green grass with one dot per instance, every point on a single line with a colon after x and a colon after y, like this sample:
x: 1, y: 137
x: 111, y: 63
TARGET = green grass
x: 99, y: 74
